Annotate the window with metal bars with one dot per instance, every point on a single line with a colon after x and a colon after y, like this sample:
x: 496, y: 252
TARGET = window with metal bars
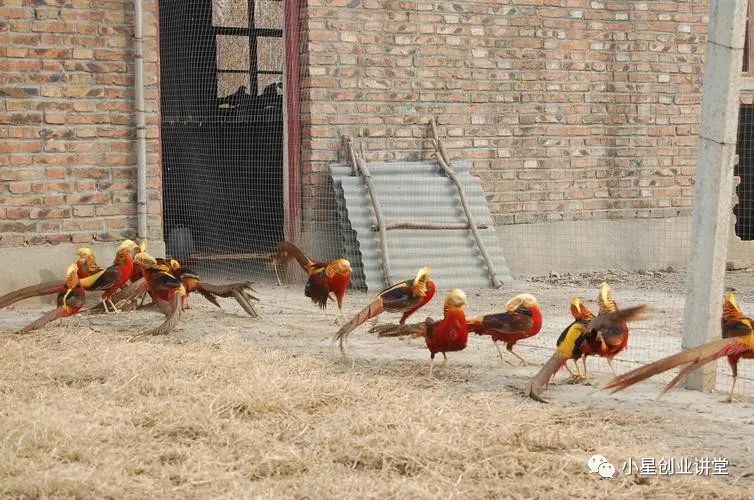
x: 249, y: 48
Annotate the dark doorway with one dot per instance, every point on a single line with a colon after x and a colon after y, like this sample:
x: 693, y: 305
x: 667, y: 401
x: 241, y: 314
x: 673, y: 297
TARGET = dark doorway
x: 222, y: 128
x: 744, y: 169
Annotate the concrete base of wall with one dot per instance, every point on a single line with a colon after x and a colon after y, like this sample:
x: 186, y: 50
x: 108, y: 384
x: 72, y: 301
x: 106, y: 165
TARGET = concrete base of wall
x: 577, y: 246
x: 24, y: 266
x: 572, y: 246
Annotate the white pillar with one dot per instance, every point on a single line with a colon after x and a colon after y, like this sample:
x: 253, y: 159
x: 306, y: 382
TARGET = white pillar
x: 714, y: 180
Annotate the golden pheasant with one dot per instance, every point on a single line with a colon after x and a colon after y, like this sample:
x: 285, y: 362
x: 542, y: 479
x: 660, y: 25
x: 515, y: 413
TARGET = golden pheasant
x: 69, y: 302
x: 522, y: 319
x: 324, y: 277
x: 407, y: 297
x: 566, y: 348
x: 737, y: 343
x: 86, y: 263
x: 103, y: 279
x: 448, y: 335
x: 166, y: 290
x: 607, y: 334
x: 111, y: 279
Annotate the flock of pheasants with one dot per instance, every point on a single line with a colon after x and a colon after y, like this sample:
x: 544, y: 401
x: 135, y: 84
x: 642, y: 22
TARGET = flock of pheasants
x: 135, y: 274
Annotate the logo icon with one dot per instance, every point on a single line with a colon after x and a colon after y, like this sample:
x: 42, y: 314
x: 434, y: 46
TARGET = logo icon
x: 598, y: 464
x: 606, y: 470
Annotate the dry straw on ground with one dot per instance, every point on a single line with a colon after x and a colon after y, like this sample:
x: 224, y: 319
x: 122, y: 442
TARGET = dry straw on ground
x: 90, y: 415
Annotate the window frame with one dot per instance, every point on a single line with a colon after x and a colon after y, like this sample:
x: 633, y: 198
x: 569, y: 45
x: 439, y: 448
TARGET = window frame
x: 253, y: 34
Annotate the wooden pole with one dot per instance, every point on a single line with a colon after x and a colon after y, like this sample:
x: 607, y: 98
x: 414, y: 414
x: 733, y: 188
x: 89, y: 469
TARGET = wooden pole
x: 444, y: 162
x: 428, y: 225
x: 361, y: 167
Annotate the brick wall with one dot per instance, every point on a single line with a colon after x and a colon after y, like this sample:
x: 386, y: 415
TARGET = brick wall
x: 569, y: 109
x: 67, y: 121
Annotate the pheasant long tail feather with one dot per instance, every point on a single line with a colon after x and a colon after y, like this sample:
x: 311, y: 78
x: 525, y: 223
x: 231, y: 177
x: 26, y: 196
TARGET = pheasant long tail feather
x: 208, y: 295
x: 539, y: 382
x: 287, y: 251
x: 43, y: 320
x: 172, y: 319
x: 416, y: 330
x: 474, y: 325
x: 131, y: 292
x: 364, y: 315
x: 226, y: 291
x: 47, y: 288
x: 238, y: 291
x: 243, y: 300
x: 688, y: 369
x: 706, y: 352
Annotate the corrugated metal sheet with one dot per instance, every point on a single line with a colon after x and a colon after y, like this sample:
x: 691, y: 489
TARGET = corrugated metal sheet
x: 415, y: 192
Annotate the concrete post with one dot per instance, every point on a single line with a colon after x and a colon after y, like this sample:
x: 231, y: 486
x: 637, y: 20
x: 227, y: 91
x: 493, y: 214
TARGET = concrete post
x: 714, y: 180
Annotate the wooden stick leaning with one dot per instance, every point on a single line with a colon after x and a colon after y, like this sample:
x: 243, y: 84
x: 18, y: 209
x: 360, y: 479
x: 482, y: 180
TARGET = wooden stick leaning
x: 444, y: 162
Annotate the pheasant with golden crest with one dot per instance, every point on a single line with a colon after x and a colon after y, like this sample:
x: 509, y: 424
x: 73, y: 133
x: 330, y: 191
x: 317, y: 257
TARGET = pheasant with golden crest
x: 69, y: 302
x: 106, y: 280
x: 607, y: 334
x: 566, y: 348
x: 737, y: 343
x: 522, y: 319
x: 405, y: 297
x: 165, y: 289
x: 447, y: 335
x: 86, y: 264
x: 325, y: 278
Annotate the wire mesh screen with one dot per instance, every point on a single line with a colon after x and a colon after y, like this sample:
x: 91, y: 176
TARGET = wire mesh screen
x: 582, y: 135
x: 222, y: 131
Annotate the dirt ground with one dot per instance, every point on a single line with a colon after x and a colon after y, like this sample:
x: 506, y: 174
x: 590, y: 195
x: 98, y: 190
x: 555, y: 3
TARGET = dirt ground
x: 232, y: 406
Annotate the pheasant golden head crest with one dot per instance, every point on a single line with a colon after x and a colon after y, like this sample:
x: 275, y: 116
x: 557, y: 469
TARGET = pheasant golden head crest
x: 521, y: 300
x: 84, y: 252
x: 145, y: 260
x: 730, y: 307
x: 579, y: 310
x: 125, y: 248
x: 338, y: 266
x: 606, y: 300
x: 456, y: 298
x: 71, y: 276
x: 420, y: 282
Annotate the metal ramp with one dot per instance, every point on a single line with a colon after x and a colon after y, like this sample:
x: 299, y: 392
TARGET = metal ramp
x: 425, y: 225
